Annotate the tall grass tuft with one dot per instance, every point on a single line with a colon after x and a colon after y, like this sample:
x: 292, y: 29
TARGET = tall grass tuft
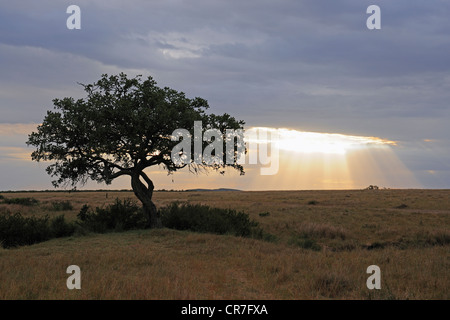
x: 321, y: 230
x: 305, y: 243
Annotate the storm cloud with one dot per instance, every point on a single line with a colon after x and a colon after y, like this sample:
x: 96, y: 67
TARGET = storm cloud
x: 305, y: 65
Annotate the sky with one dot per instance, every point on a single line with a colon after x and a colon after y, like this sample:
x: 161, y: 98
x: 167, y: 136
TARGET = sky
x: 307, y: 66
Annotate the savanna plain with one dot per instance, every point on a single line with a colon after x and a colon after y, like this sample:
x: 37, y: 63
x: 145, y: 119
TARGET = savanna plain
x: 320, y: 245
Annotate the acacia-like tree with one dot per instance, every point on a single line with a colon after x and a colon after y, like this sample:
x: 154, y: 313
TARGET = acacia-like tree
x: 122, y: 127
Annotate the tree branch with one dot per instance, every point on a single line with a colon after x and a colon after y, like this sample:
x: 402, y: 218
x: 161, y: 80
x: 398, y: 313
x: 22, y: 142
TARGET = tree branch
x: 148, y: 181
x: 108, y: 163
x: 120, y: 173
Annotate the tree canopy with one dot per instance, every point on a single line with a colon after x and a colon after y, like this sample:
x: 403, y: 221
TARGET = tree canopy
x: 123, y: 126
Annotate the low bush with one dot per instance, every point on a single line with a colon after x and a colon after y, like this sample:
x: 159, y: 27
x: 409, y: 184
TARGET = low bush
x: 119, y: 216
x: 61, y: 228
x: 16, y: 230
x: 21, y: 201
x: 202, y: 218
x: 61, y: 206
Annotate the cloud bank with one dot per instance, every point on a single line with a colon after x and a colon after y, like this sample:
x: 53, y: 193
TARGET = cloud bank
x: 304, y: 65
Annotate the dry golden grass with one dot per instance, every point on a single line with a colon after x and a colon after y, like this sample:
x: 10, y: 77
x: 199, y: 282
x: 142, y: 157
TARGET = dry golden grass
x: 404, y: 232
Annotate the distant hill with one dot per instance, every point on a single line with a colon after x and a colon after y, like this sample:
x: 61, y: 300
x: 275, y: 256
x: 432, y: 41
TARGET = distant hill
x: 220, y: 189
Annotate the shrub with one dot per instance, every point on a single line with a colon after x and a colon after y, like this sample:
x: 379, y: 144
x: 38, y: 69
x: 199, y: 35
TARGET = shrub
x: 202, y: 218
x: 83, y: 214
x: 16, y: 230
x: 121, y: 215
x: 61, y: 205
x: 1, y: 197
x: 21, y: 201
x: 60, y: 228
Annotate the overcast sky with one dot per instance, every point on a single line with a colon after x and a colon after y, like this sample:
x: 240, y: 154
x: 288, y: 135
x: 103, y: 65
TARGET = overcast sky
x: 306, y: 65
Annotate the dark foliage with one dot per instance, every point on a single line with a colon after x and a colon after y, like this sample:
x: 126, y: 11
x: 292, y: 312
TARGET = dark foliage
x: 201, y: 218
x: 61, y: 205
x: 119, y: 216
x: 21, y: 201
x: 17, y: 230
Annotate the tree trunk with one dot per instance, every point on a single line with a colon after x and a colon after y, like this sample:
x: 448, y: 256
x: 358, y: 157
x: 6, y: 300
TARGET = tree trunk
x: 145, y: 194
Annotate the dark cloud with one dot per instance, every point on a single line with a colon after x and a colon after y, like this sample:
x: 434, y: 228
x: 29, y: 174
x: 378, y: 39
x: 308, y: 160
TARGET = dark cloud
x: 309, y: 65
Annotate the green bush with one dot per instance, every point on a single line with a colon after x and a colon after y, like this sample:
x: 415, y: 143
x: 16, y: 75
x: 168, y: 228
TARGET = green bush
x: 60, y: 228
x: 201, y: 218
x: 61, y: 206
x: 119, y: 216
x: 16, y: 230
x: 21, y: 201
x: 84, y: 212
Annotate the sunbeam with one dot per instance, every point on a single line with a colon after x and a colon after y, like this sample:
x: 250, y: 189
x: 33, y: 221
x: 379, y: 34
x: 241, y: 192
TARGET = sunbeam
x: 313, y: 160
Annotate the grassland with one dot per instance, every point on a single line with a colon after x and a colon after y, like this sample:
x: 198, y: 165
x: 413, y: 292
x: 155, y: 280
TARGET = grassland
x: 323, y: 243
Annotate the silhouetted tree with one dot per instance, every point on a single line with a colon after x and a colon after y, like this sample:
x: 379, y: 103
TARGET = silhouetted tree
x: 122, y: 127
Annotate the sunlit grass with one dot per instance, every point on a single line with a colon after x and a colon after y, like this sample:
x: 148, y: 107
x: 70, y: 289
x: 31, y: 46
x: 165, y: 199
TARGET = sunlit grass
x: 354, y: 229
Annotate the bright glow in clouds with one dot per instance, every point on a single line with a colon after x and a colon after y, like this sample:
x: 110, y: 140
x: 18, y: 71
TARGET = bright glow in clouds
x: 306, y: 160
x: 326, y: 143
x: 313, y: 160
